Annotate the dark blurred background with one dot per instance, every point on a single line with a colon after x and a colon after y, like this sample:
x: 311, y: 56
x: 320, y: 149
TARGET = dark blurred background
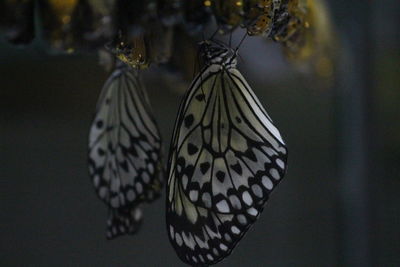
x: 339, y: 202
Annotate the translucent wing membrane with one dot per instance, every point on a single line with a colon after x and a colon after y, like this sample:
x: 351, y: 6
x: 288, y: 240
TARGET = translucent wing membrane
x: 226, y: 158
x: 124, y: 151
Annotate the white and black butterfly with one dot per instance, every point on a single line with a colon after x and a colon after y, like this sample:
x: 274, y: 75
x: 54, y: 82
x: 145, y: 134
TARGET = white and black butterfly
x: 226, y: 158
x: 124, y: 151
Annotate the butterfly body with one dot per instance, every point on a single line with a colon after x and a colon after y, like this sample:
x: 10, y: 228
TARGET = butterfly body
x: 226, y: 157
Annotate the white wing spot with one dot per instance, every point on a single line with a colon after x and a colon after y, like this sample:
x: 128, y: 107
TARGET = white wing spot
x: 275, y: 174
x: 223, y: 247
x: 96, y: 181
x: 189, y: 241
x: 222, y: 206
x: 228, y: 237
x: 178, y: 239
x: 235, y: 230
x: 194, y: 195
x: 137, y: 215
x: 283, y: 150
x: 184, y: 181
x: 252, y: 212
x: 115, y: 202
x: 150, y: 167
x: 201, y: 258
x: 269, y: 151
x: 103, y: 192
x: 206, y: 200
x: 139, y: 188
x: 130, y: 195
x: 257, y: 190
x: 267, y: 182
x: 280, y: 163
x: 215, y: 251
x: 242, y: 219
x: 146, y: 177
x: 247, y: 198
x: 235, y: 202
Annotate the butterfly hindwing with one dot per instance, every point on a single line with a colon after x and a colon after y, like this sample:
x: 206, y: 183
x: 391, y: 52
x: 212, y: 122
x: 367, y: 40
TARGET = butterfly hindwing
x: 123, y: 221
x: 226, y: 157
x: 124, y: 149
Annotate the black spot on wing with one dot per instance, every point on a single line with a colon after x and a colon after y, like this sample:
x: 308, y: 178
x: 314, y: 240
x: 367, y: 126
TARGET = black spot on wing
x: 99, y: 124
x: 100, y: 151
x: 220, y: 176
x: 200, y: 97
x: 192, y: 149
x: 204, y: 167
x: 237, y: 168
x: 189, y: 119
x: 250, y: 154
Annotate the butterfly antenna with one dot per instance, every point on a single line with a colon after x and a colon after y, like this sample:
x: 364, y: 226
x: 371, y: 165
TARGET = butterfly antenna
x: 196, y: 63
x: 241, y: 42
x: 201, y: 78
x: 241, y: 58
x: 197, y: 60
x: 213, y: 35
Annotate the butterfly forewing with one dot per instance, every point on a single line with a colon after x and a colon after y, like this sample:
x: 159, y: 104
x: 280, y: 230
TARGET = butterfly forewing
x: 124, y: 150
x: 226, y: 157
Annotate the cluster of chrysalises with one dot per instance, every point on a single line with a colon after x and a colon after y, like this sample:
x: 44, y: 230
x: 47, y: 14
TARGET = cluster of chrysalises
x: 148, y: 31
x: 147, y: 25
x: 84, y: 25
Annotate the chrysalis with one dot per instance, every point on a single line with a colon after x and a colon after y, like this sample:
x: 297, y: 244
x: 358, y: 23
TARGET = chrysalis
x: 260, y: 16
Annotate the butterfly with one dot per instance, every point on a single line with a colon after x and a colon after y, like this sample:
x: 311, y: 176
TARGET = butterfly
x: 124, y: 151
x: 226, y: 158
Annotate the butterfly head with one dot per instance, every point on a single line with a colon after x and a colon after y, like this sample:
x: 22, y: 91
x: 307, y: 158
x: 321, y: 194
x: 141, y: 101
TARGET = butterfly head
x: 215, y: 52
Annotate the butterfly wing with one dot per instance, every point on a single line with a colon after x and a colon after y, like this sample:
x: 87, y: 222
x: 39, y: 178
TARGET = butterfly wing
x: 124, y: 150
x: 226, y: 158
x: 123, y: 221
